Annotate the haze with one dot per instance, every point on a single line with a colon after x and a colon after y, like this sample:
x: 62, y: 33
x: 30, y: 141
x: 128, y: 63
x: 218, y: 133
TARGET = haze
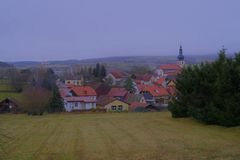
x: 78, y: 29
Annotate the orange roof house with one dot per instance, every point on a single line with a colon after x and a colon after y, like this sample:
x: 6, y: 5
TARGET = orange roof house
x: 160, y: 94
x: 79, y: 98
x: 84, y: 91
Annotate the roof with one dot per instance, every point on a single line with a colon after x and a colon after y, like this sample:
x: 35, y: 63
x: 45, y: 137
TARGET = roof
x: 147, y: 96
x: 10, y: 99
x: 117, y: 92
x: 83, y: 91
x: 104, y: 100
x: 145, y: 77
x: 153, y: 89
x: 170, y: 67
x: 138, y: 104
x: 130, y: 98
x: 102, y: 89
x: 160, y: 81
x: 118, y: 74
x: 171, y: 91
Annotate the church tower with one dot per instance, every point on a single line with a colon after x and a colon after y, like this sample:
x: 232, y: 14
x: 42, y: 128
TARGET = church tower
x: 180, y: 57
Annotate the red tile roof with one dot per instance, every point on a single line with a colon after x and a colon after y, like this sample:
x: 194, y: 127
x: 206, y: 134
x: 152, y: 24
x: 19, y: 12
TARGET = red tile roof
x: 153, y: 89
x: 160, y: 81
x: 117, y: 92
x: 170, y: 67
x: 118, y: 74
x: 145, y: 77
x: 84, y: 91
x: 171, y: 91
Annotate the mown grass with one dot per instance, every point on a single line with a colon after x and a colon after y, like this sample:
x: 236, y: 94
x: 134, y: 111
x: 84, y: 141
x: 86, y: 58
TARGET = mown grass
x: 118, y: 136
x: 16, y: 95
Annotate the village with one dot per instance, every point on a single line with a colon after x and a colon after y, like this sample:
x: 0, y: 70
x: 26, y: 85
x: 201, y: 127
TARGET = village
x: 135, y: 93
x: 116, y: 91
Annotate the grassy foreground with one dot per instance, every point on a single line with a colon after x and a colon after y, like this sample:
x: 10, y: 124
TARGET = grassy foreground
x: 119, y: 136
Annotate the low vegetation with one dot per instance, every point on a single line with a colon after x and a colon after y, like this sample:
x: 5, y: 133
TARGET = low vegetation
x: 121, y: 136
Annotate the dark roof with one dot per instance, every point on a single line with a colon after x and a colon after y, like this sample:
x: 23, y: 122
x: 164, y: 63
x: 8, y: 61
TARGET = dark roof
x: 118, y: 74
x: 9, y: 99
x: 102, y: 89
x: 147, y: 96
x: 104, y: 100
x: 117, y: 92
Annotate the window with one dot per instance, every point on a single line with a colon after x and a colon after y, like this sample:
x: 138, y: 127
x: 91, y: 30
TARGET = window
x: 120, y: 107
x: 114, y: 108
x: 76, y: 104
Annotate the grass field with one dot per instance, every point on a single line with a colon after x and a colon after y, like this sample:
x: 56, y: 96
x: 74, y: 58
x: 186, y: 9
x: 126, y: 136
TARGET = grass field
x: 15, y: 95
x: 5, y: 87
x: 118, y: 136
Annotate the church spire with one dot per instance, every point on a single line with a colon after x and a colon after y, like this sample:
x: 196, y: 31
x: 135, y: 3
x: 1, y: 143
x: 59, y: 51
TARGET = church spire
x: 180, y: 57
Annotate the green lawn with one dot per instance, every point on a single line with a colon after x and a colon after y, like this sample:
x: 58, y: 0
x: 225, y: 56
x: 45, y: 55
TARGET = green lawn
x: 15, y: 95
x: 118, y: 136
x: 6, y: 87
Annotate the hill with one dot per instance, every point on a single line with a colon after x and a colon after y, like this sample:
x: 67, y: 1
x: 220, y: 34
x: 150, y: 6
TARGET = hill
x: 152, y: 61
x: 3, y: 64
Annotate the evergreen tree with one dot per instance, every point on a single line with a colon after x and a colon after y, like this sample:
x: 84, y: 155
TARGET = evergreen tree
x: 97, y: 70
x: 103, y: 71
x: 210, y: 92
x: 56, y: 102
x: 129, y: 85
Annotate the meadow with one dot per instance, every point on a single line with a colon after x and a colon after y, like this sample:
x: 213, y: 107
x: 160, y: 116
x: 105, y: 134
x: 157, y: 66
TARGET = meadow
x: 117, y: 136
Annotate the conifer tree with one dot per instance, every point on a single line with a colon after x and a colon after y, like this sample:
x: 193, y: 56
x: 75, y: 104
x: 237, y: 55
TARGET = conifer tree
x: 210, y: 92
x: 56, y: 102
x: 129, y: 85
x: 103, y: 71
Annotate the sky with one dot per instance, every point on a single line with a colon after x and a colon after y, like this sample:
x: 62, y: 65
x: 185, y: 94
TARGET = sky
x: 79, y: 29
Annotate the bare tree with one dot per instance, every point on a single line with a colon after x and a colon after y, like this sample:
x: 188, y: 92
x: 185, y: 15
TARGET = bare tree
x: 36, y: 100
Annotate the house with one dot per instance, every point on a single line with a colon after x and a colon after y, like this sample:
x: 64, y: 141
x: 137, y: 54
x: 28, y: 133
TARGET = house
x: 111, y: 104
x: 145, y: 79
x: 166, y: 69
x: 118, y: 93
x: 79, y: 98
x: 171, y: 83
x: 116, y: 76
x: 148, y: 97
x: 161, y: 82
x: 9, y: 105
x: 76, y: 82
x: 160, y: 94
x: 131, y: 97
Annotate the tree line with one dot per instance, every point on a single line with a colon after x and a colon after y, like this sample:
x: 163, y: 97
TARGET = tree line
x: 210, y: 92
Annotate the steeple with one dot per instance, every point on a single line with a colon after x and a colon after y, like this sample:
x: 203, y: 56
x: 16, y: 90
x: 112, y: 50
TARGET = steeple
x: 180, y: 57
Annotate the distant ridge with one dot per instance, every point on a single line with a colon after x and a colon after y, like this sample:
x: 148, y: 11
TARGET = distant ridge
x: 133, y: 60
x: 3, y: 64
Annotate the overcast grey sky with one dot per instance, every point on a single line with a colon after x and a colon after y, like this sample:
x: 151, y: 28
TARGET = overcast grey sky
x: 77, y: 29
